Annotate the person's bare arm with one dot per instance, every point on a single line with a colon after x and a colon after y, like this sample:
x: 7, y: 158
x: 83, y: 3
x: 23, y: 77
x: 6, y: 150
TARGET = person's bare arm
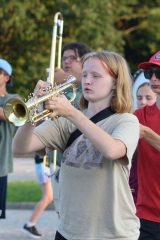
x: 150, y: 136
x: 25, y: 141
x: 105, y: 143
x: 111, y: 148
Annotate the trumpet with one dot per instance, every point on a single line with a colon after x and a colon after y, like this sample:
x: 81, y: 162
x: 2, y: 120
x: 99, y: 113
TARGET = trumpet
x: 19, y: 112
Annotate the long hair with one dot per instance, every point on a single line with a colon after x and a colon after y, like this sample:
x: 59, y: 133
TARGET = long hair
x: 122, y: 100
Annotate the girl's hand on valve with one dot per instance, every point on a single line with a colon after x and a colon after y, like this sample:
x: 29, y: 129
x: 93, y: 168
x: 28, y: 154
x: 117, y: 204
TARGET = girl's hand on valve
x: 60, y: 106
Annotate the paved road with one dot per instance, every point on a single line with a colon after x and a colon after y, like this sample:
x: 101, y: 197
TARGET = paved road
x: 24, y: 169
x: 11, y: 227
x: 18, y: 214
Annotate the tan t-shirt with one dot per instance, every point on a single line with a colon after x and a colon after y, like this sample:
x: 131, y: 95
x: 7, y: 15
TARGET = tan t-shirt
x: 95, y: 198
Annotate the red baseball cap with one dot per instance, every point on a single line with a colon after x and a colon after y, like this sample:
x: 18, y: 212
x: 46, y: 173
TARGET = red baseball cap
x: 154, y: 60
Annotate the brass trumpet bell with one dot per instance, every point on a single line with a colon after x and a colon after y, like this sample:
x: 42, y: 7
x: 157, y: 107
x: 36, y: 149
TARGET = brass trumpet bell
x: 19, y: 112
x: 16, y: 111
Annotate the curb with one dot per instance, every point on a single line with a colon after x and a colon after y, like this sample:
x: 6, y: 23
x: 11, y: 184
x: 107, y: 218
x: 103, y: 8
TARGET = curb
x: 26, y: 205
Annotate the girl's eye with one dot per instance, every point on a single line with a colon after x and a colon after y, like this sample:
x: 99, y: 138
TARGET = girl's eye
x: 95, y: 76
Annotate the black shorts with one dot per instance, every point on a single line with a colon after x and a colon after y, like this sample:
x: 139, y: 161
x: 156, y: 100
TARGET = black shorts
x: 3, y: 196
x: 149, y: 230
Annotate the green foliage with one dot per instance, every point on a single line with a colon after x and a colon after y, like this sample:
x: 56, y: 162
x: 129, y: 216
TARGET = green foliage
x: 128, y: 27
x: 139, y: 25
x: 23, y: 192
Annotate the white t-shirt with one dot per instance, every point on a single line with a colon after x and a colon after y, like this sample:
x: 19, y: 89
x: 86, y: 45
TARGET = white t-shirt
x: 95, y: 198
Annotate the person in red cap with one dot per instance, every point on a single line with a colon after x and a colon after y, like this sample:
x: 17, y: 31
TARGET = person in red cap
x: 148, y: 200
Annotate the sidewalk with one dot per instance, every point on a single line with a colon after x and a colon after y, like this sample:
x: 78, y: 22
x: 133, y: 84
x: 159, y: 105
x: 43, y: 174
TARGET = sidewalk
x: 10, y: 228
x: 17, y: 214
x: 24, y: 169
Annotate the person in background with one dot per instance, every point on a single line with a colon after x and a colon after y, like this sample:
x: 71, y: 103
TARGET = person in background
x: 95, y: 197
x: 71, y: 65
x: 145, y: 96
x: 7, y: 131
x: 148, y: 161
x: 47, y: 198
x: 72, y: 54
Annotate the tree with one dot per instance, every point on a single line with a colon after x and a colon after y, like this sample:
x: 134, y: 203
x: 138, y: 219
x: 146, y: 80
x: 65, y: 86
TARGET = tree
x: 139, y: 22
x: 128, y: 27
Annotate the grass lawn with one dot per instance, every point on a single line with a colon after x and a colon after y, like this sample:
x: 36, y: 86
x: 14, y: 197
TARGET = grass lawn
x: 23, y: 192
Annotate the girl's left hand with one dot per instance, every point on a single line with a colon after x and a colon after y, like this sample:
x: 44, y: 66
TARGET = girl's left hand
x: 60, y: 106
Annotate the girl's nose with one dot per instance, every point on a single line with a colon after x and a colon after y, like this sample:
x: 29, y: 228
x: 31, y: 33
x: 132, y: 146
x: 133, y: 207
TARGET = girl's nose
x: 88, y: 79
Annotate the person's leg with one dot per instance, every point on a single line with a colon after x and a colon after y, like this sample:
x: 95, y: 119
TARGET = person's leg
x: 47, y: 198
x: 3, y: 196
x: 149, y: 230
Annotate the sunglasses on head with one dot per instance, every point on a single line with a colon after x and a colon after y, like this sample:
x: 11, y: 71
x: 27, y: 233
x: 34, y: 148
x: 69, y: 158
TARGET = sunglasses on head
x: 149, y: 73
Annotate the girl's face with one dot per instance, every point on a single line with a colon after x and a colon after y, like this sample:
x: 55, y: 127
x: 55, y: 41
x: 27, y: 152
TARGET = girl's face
x: 145, y: 96
x: 97, y: 83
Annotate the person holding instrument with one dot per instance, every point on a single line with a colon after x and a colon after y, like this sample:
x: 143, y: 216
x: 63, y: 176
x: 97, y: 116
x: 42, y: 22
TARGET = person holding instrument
x: 71, y: 65
x: 95, y: 197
